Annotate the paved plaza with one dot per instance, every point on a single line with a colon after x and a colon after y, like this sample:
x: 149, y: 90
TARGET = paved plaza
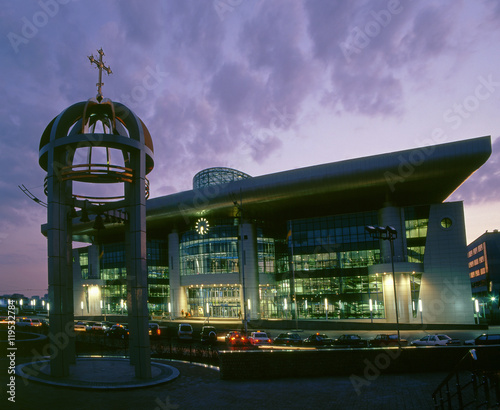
x: 200, y: 387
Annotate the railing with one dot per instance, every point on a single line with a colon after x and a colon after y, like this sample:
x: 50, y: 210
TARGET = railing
x: 97, y: 344
x: 471, y: 384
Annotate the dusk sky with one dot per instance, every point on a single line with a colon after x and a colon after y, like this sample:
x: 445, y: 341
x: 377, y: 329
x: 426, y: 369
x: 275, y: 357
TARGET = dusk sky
x: 257, y: 85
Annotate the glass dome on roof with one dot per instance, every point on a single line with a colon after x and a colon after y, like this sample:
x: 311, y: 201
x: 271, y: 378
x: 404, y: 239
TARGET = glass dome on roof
x: 217, y: 176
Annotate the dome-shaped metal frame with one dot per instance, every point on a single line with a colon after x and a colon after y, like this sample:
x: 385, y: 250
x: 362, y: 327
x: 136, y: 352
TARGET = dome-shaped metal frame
x: 217, y: 176
x: 75, y: 128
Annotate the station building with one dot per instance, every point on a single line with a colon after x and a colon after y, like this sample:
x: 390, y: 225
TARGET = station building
x: 294, y: 243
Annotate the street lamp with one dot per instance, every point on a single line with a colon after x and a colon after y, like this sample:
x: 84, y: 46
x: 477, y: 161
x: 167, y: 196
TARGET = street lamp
x: 388, y: 233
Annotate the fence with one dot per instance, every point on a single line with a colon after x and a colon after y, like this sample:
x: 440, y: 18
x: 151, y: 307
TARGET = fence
x: 473, y: 383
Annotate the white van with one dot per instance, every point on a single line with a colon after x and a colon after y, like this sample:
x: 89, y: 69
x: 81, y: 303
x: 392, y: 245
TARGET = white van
x: 185, y: 331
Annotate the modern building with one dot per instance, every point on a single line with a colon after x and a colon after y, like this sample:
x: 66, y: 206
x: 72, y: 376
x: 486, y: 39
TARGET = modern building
x: 294, y: 243
x: 484, y: 270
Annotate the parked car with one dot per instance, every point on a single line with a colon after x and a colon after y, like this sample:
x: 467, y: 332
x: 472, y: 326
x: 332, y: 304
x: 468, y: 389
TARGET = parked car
x: 259, y: 338
x: 24, y: 321
x: 117, y: 331
x: 385, y: 340
x: 208, y: 334
x: 436, y: 340
x: 97, y: 327
x: 317, y: 339
x: 80, y: 327
x: 350, y: 341
x: 154, y: 330
x: 185, y: 331
x: 288, y: 339
x: 484, y: 339
x: 235, y: 338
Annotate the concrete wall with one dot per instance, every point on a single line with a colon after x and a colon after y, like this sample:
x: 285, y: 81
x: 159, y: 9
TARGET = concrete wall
x: 446, y: 292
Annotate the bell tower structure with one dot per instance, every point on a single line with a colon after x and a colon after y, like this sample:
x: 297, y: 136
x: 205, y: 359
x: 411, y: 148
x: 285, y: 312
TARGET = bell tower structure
x: 96, y: 146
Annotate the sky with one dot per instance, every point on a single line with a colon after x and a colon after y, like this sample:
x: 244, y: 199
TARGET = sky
x: 258, y: 85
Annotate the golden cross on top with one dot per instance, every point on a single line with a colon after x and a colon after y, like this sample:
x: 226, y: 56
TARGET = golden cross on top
x: 100, y: 65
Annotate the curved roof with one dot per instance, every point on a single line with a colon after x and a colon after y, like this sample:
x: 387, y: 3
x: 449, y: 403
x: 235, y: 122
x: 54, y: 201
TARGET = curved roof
x: 416, y: 176
x: 69, y: 127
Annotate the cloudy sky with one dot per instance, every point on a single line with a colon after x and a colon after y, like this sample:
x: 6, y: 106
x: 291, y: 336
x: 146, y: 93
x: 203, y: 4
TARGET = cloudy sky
x: 257, y: 85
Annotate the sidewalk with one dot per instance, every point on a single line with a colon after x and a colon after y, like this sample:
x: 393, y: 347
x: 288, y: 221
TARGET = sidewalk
x: 200, y: 387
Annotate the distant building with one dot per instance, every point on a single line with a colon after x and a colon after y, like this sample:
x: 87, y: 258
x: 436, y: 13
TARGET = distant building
x: 294, y: 242
x: 484, y: 271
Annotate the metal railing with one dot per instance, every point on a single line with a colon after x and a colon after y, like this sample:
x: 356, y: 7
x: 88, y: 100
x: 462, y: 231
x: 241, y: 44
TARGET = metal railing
x: 471, y: 384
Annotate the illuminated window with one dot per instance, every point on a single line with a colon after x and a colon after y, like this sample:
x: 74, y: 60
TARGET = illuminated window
x: 446, y: 223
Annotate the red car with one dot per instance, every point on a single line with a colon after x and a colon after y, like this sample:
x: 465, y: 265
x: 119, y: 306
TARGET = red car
x: 236, y: 339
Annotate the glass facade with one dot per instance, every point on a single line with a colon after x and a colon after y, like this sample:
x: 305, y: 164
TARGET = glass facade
x: 84, y: 264
x: 214, y: 252
x: 416, y: 222
x: 328, y: 269
x: 113, y: 271
x: 216, y: 301
x: 218, y: 252
x: 316, y: 268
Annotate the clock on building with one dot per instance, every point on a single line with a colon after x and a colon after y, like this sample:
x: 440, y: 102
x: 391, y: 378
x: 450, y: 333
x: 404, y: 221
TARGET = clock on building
x: 202, y: 226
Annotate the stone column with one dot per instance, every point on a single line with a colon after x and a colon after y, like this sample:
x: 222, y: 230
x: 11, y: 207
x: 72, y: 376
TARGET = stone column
x: 393, y: 216
x: 137, y: 273
x: 59, y: 270
x: 177, y: 294
x: 249, y: 269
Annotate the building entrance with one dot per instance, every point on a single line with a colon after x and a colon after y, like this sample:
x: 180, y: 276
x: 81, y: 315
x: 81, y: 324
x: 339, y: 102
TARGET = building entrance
x: 221, y: 302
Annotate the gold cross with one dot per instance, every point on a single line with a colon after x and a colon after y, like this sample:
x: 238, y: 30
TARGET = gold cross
x: 100, y: 65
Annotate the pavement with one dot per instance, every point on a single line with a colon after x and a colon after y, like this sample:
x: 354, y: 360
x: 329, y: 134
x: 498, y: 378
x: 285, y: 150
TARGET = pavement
x: 199, y: 386
x: 183, y: 385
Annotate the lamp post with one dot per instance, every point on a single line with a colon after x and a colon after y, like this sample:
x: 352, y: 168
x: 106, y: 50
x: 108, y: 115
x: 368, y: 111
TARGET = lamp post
x: 388, y: 233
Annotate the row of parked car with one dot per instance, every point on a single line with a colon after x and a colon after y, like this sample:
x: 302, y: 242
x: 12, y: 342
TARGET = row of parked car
x: 236, y: 338
x: 115, y: 330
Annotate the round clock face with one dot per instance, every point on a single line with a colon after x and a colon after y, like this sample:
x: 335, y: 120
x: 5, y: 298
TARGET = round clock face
x: 202, y: 226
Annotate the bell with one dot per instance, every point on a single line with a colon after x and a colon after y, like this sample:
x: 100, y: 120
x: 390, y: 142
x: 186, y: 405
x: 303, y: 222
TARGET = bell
x: 85, y: 216
x: 98, y: 223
